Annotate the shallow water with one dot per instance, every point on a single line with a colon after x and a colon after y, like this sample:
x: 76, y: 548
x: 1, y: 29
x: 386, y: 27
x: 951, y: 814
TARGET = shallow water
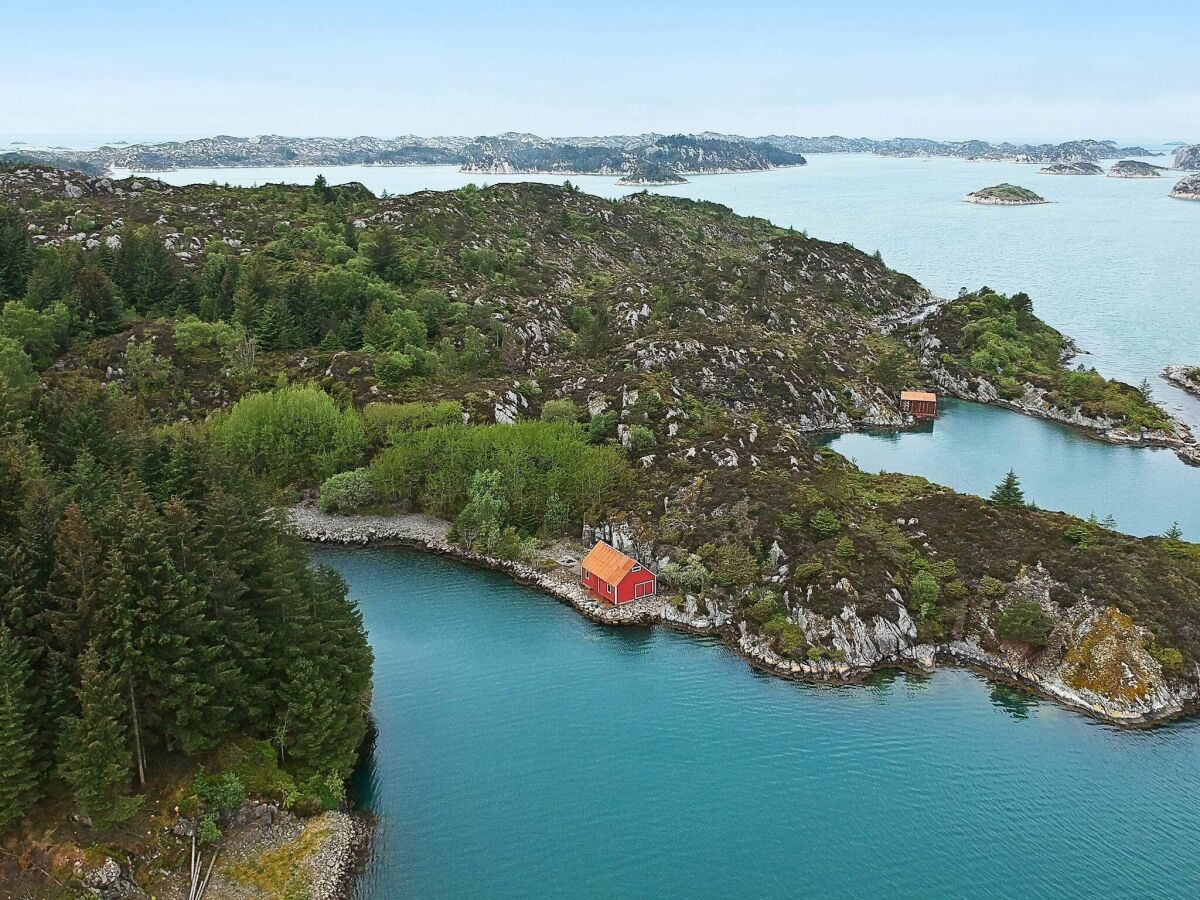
x: 523, y: 751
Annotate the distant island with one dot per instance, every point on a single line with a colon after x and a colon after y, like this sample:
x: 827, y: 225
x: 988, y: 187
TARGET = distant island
x: 1076, y: 168
x: 1005, y: 195
x: 1132, y: 168
x: 1188, y: 157
x: 675, y: 154
x: 651, y: 174
x: 514, y: 153
x: 1187, y: 189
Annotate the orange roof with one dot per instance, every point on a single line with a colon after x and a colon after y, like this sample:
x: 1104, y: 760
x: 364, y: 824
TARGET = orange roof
x: 918, y: 395
x: 609, y: 563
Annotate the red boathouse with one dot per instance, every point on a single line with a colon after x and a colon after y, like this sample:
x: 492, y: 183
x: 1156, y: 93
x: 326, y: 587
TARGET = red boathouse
x: 611, y: 575
x: 918, y: 404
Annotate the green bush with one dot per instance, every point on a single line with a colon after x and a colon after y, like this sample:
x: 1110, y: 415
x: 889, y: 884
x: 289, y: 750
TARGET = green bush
x: 559, y: 412
x: 381, y: 419
x: 1168, y: 657
x: 844, y: 550
x: 602, y: 426
x: 1024, y: 621
x: 347, y: 491
x: 825, y: 524
x: 192, y: 334
x: 923, y: 590
x: 294, y: 435
x: 1078, y: 534
x: 641, y: 439
x: 220, y: 792
x: 787, y: 635
x: 991, y: 588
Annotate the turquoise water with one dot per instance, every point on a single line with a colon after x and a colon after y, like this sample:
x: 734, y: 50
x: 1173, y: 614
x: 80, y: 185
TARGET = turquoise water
x: 970, y: 447
x: 1110, y: 261
x: 523, y: 751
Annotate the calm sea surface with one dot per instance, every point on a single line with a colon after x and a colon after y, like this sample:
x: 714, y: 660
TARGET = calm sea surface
x: 1111, y: 262
x: 525, y: 752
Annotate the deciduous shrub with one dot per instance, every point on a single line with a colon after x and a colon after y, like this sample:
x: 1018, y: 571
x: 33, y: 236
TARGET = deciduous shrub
x: 381, y: 419
x: 559, y: 412
x: 294, y: 435
x: 347, y: 491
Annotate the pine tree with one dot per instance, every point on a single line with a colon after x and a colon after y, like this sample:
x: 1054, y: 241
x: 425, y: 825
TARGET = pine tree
x: 74, y: 592
x: 1174, y: 533
x: 18, y: 773
x: 95, y: 746
x: 16, y: 253
x: 1109, y: 522
x: 1008, y: 493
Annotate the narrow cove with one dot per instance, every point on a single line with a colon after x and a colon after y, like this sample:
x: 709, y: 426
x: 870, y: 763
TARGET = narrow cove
x: 518, y: 741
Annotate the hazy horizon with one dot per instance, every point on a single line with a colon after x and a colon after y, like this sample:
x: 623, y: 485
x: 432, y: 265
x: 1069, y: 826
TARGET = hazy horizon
x: 1020, y: 72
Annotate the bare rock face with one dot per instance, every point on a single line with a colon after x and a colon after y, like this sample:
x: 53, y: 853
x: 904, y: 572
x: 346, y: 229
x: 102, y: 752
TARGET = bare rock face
x: 1188, y: 158
x: 1187, y: 189
x: 1096, y: 658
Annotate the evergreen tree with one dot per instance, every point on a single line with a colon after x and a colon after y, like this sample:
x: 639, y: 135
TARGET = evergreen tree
x: 95, y: 301
x: 95, y: 746
x: 18, y: 773
x: 1174, y: 533
x: 1109, y: 522
x: 1008, y: 493
x: 74, y: 594
x: 383, y: 252
x: 16, y: 253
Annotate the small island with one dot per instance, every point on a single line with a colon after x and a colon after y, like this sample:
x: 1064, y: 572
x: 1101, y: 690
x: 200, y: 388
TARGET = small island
x: 1185, y: 377
x: 1132, y: 168
x: 647, y: 174
x: 1187, y: 189
x: 1073, y: 168
x: 1005, y: 195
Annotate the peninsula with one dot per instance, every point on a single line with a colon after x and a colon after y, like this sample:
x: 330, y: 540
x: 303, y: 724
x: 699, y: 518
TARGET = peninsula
x: 1005, y: 195
x: 506, y: 374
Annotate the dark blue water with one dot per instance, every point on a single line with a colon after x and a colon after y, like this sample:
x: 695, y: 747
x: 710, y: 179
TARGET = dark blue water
x: 523, y: 751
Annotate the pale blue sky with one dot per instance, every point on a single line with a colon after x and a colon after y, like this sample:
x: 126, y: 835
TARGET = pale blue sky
x: 1014, y: 70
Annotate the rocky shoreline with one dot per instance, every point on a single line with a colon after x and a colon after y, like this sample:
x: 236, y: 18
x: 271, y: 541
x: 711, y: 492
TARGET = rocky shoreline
x: 1185, y: 377
x: 1034, y: 403
x: 865, y: 646
x: 1187, y: 189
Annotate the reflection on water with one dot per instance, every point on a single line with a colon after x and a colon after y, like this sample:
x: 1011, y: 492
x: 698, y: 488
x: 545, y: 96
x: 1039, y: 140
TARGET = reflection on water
x: 1017, y: 703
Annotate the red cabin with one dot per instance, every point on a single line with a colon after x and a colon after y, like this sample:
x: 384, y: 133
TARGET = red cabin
x: 918, y: 404
x: 611, y: 575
